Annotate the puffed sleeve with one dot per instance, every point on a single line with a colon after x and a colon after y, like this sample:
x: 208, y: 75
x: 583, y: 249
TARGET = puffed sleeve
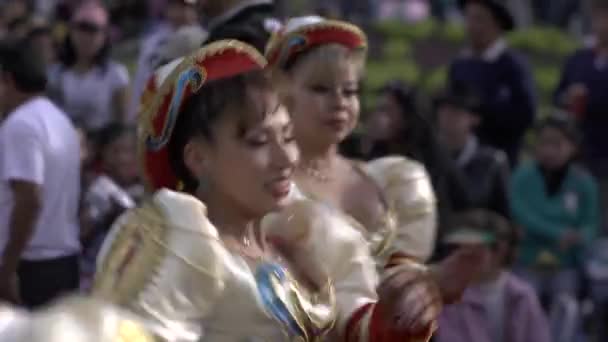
x: 164, y: 261
x: 77, y: 319
x: 407, y: 188
x: 321, y: 240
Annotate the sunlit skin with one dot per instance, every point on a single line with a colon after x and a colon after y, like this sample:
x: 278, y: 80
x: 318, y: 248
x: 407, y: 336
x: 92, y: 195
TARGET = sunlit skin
x: 247, y: 173
x: 325, y: 109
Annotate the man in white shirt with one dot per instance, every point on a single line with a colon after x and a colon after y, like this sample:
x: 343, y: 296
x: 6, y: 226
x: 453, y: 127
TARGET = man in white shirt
x: 39, y: 185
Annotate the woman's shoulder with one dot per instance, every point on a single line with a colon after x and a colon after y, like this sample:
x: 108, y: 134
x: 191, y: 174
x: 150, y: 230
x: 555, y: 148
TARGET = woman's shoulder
x: 168, y: 234
x: 395, y: 169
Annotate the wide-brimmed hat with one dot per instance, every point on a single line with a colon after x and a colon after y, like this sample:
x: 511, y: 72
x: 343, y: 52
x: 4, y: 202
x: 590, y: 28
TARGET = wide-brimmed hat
x: 168, y: 89
x: 499, y: 11
x: 304, y: 33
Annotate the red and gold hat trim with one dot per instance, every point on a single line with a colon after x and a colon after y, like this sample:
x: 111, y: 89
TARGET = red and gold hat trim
x: 284, y: 46
x: 161, y: 104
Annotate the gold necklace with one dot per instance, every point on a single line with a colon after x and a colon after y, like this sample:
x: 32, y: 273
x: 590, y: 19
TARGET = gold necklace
x: 315, y: 173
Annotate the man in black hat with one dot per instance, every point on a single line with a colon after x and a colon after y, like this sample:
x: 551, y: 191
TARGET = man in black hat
x: 485, y: 170
x: 499, y: 75
x: 250, y: 21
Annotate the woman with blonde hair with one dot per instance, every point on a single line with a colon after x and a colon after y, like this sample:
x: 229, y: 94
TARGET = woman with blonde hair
x: 319, y: 64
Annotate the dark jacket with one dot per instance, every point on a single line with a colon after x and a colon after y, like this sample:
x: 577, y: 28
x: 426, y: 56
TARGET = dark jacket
x: 486, y: 173
x: 252, y: 24
x: 585, y: 67
x: 508, y: 101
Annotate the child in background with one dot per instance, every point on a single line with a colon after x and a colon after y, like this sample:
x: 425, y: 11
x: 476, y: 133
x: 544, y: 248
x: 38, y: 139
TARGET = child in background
x: 556, y: 203
x: 109, y: 193
x: 498, y: 307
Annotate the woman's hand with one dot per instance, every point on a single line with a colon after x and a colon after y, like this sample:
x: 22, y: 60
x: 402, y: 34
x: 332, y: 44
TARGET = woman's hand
x: 456, y: 272
x: 410, y: 299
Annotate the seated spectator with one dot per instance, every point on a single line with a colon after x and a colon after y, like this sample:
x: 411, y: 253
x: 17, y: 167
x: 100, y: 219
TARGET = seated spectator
x: 87, y: 84
x: 499, y: 306
x: 556, y: 203
x: 108, y: 195
x: 485, y: 169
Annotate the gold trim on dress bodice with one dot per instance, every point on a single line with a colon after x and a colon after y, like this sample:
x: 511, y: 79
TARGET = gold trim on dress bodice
x: 166, y: 262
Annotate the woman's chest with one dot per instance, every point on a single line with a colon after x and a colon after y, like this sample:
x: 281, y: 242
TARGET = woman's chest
x: 241, y: 314
x: 358, y: 197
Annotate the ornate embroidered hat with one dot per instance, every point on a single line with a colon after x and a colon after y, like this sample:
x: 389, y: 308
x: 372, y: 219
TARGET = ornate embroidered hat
x: 168, y: 89
x: 303, y: 33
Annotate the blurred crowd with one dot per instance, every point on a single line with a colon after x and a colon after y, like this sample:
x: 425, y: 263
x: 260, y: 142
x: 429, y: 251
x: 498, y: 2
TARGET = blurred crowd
x: 546, y: 194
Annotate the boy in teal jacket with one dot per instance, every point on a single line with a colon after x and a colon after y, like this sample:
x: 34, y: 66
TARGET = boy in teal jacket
x: 557, y: 205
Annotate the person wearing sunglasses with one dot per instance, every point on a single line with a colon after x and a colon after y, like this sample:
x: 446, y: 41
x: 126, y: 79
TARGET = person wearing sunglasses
x: 90, y: 87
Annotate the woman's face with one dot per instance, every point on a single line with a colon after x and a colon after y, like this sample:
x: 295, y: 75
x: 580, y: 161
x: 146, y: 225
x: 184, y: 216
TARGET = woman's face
x: 88, y: 39
x: 387, y: 121
x: 249, y: 169
x: 554, y: 149
x: 324, y: 100
x: 119, y: 158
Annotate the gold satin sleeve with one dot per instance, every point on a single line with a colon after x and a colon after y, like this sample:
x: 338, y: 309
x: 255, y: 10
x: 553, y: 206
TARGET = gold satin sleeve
x: 164, y: 262
x: 324, y: 244
x: 76, y: 319
x: 407, y: 188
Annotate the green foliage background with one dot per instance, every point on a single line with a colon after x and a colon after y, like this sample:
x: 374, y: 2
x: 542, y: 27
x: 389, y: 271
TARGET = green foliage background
x: 419, y: 54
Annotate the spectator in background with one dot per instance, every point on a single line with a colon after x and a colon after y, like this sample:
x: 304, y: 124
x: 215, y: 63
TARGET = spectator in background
x: 86, y: 83
x: 250, y: 21
x: 485, y: 169
x: 40, y: 37
x: 583, y: 91
x: 498, y: 74
x: 179, y: 14
x: 108, y: 195
x: 556, y: 203
x: 183, y: 42
x: 499, y: 306
x: 39, y: 185
x: 13, y: 15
